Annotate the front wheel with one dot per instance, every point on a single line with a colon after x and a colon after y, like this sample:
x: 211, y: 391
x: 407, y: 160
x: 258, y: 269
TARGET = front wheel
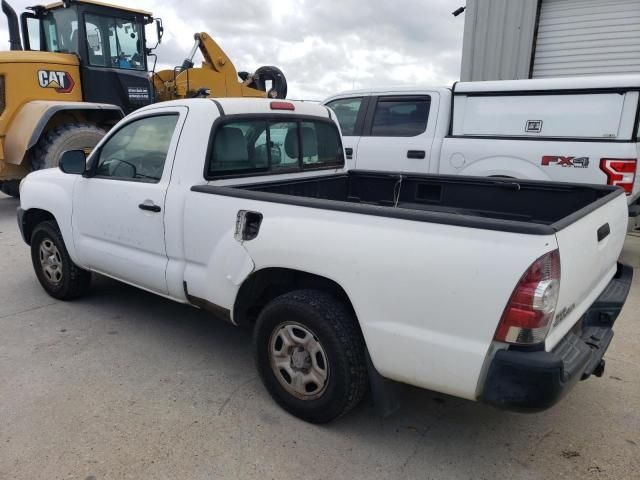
x: 310, y: 355
x: 56, y: 272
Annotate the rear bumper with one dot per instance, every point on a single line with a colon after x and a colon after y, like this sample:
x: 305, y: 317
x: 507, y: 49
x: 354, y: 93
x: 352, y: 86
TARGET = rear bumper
x: 532, y: 381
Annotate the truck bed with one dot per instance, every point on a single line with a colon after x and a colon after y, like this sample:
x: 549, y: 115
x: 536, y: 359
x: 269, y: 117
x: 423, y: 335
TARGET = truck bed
x: 521, y: 206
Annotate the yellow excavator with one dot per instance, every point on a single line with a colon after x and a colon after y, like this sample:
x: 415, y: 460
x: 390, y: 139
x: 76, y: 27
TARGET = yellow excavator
x: 76, y: 67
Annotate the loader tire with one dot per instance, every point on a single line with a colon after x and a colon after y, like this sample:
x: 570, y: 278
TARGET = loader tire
x: 11, y: 188
x: 71, y: 136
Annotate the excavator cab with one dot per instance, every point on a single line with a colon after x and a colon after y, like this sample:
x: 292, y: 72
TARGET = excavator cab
x: 109, y: 41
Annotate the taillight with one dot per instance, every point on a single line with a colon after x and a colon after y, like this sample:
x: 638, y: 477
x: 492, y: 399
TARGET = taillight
x: 528, y: 316
x: 621, y: 172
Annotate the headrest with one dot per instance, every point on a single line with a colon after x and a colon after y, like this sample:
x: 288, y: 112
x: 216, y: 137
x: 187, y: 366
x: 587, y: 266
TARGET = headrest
x: 309, y: 143
x: 230, y: 146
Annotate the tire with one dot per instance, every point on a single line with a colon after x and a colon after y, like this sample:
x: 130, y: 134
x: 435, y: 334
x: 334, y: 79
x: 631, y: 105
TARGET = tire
x: 74, y: 136
x: 327, y: 380
x: 279, y: 82
x: 11, y: 188
x: 58, y: 275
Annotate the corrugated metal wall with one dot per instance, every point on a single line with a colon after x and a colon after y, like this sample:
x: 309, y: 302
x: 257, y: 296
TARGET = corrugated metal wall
x: 587, y: 37
x: 498, y: 39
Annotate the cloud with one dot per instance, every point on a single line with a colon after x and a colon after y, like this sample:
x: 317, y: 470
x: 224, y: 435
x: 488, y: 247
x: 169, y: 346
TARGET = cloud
x: 323, y: 47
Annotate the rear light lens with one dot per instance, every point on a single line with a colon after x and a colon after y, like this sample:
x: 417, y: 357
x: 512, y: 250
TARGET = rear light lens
x: 621, y: 172
x: 528, y: 316
x: 283, y: 106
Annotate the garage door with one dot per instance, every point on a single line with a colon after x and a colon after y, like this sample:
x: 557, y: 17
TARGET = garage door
x: 587, y: 37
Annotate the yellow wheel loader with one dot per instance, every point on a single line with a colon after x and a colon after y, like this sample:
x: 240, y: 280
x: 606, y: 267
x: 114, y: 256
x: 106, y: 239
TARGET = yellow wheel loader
x: 79, y: 66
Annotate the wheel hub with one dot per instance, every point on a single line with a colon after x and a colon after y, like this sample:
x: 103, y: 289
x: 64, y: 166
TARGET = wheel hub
x: 298, y: 361
x: 51, y: 261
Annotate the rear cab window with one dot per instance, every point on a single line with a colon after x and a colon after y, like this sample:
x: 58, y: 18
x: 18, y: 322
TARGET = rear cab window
x: 259, y: 146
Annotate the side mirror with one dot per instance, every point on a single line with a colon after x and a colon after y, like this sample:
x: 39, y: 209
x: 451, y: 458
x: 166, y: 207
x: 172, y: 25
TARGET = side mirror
x: 160, y: 30
x: 73, y: 162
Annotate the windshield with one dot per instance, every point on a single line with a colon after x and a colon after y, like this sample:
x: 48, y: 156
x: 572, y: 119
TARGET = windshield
x: 114, y: 42
x: 61, y: 30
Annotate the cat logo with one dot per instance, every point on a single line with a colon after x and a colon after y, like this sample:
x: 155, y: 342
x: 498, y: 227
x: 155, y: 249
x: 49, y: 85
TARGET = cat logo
x: 61, y: 82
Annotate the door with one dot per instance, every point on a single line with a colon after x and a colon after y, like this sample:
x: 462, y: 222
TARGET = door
x: 398, y: 133
x: 118, y: 216
x: 351, y: 112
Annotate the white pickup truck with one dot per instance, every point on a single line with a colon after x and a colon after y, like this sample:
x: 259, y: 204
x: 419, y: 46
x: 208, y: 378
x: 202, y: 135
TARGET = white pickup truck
x: 494, y: 290
x: 580, y: 130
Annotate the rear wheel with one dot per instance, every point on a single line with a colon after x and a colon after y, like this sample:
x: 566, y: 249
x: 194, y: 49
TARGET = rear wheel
x: 75, y: 136
x: 11, y: 188
x: 56, y: 272
x: 310, y: 355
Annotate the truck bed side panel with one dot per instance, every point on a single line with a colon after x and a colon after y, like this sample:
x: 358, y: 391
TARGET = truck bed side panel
x: 428, y: 296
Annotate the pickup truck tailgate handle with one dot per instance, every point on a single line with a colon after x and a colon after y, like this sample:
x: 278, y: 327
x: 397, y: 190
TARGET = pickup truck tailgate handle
x: 150, y: 207
x: 603, y: 232
x: 417, y: 154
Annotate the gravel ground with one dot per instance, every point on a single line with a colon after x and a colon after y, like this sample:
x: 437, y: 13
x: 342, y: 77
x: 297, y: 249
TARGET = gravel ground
x: 123, y: 384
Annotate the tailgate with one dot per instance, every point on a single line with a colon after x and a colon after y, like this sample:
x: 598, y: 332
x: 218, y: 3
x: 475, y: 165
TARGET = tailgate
x: 589, y: 251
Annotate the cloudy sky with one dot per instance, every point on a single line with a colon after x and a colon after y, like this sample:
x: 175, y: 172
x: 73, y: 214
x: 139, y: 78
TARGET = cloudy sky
x: 323, y: 46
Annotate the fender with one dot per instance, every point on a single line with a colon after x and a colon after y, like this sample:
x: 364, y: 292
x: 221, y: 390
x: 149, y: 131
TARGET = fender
x: 504, y: 167
x: 53, y: 195
x: 30, y: 123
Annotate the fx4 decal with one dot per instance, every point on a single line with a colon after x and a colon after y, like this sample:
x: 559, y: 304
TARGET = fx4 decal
x: 62, y: 82
x: 576, y: 162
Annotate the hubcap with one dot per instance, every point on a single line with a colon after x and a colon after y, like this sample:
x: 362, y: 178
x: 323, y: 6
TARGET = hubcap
x: 51, y: 261
x: 298, y: 361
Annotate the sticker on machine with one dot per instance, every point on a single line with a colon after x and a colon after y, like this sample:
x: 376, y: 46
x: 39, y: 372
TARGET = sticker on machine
x: 138, y: 93
x: 61, y: 82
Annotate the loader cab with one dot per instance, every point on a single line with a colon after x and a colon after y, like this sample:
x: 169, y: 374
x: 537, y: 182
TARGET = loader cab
x: 110, y: 42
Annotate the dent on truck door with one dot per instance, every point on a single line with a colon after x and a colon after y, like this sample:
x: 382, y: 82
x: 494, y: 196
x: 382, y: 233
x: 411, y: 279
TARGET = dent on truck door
x: 119, y: 208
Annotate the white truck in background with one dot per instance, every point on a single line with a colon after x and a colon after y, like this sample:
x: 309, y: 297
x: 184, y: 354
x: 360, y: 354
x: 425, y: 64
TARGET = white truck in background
x: 489, y: 289
x: 579, y: 130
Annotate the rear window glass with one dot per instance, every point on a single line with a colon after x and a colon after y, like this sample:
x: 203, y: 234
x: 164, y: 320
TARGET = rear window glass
x: 263, y: 146
x: 400, y: 117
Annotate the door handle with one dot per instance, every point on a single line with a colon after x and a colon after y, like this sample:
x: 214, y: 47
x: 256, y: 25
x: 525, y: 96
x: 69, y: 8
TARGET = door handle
x: 349, y: 152
x: 417, y: 154
x: 150, y: 207
x: 603, y: 232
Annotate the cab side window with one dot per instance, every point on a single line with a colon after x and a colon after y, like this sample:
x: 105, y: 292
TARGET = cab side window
x: 138, y: 151
x: 347, y: 111
x: 400, y: 116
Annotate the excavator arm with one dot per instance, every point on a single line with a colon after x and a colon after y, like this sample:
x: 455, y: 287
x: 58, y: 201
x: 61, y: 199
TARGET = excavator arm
x: 217, y: 77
